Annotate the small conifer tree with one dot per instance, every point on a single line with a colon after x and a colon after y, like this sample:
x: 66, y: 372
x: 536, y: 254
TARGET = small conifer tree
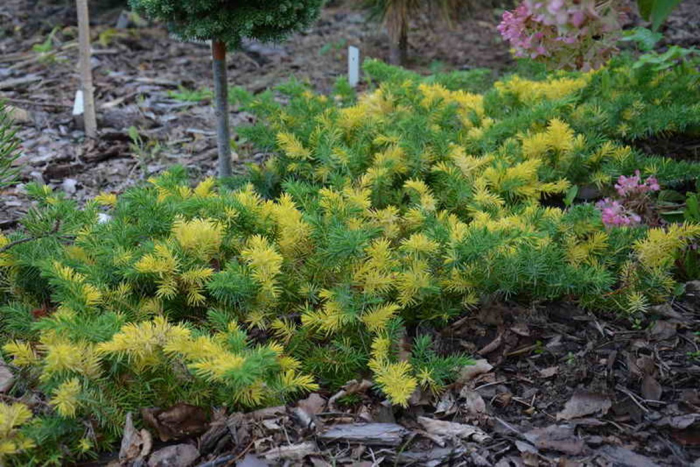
x: 226, y: 23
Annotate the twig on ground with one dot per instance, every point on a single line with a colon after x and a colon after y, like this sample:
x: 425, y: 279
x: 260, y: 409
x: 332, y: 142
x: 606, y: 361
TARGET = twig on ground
x: 36, y: 103
x: 632, y: 396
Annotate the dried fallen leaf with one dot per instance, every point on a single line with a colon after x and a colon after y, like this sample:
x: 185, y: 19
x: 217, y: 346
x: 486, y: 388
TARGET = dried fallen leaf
x: 437, y: 456
x: 308, y: 408
x: 584, y: 403
x: 651, y: 389
x: 446, y: 405
x: 621, y: 457
x: 179, y: 421
x: 312, y: 405
x: 251, y: 460
x: 492, y: 346
x: 178, y: 455
x: 293, y: 452
x: 549, y: 372
x: 268, y: 412
x: 136, y: 444
x: 453, y: 429
x: 18, y: 115
x: 470, y: 372
x: 473, y: 402
x: 521, y: 329
x: 7, y: 379
x: 662, y: 330
x: 557, y: 438
x: 680, y: 422
x: 351, y: 387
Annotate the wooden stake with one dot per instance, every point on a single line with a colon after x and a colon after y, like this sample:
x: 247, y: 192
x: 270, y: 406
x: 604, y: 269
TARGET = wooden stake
x: 85, y: 69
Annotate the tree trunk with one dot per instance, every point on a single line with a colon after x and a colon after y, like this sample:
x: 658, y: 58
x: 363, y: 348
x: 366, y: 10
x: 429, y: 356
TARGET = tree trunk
x: 223, y: 131
x: 398, y: 53
x: 89, y: 116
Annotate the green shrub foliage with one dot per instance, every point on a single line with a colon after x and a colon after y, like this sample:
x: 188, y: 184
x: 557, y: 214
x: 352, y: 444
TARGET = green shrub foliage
x: 229, y: 21
x: 381, y: 214
x: 9, y: 153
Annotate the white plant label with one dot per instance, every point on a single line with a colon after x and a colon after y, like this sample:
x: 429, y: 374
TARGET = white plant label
x: 78, y: 104
x: 353, y: 66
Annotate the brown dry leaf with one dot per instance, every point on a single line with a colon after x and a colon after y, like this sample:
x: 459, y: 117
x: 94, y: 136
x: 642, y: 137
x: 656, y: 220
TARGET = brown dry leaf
x: 17, y: 114
x: 557, y: 438
x: 179, y: 421
x: 437, y: 456
x: 359, y: 386
x: 308, y: 408
x: 651, y: 389
x: 178, y: 455
x: 268, y: 412
x: 622, y: 457
x: 136, y: 444
x: 313, y: 405
x: 549, y: 372
x: 251, y: 460
x: 7, y: 379
x: 453, y: 430
x: 447, y: 404
x: 510, y: 461
x: 293, y: 452
x: 473, y: 402
x: 492, y: 346
x: 662, y: 330
x: 521, y: 329
x: 584, y: 403
x: 470, y: 372
x: 680, y: 422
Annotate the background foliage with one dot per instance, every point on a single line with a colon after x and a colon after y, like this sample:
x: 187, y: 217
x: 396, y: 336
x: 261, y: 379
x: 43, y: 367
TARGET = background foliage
x: 9, y: 146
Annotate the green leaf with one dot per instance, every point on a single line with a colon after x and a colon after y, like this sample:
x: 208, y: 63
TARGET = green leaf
x: 645, y: 38
x: 571, y: 195
x: 656, y: 11
x: 692, y: 209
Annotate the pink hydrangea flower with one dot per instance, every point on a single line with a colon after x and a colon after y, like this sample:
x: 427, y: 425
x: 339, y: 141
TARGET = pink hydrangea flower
x: 634, y: 199
x: 574, y: 34
x: 630, y: 186
x: 615, y: 214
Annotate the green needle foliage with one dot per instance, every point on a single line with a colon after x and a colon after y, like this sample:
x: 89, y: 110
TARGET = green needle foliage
x: 9, y: 153
x: 382, y: 214
x: 231, y: 21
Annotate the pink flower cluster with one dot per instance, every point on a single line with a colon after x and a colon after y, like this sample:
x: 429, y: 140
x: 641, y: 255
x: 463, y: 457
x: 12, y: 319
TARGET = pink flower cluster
x: 634, y: 194
x: 615, y: 214
x: 572, y: 34
x: 630, y: 186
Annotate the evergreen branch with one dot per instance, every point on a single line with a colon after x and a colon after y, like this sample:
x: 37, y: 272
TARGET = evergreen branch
x: 54, y: 230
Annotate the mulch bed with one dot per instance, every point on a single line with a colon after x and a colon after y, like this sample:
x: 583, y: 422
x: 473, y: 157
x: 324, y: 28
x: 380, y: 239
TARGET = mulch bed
x: 553, y: 384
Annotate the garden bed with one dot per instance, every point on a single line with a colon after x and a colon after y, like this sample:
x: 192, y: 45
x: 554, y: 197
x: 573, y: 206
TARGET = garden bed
x: 445, y: 269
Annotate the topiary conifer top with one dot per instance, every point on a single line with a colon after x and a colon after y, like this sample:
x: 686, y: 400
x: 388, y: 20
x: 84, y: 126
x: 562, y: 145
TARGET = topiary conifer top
x: 230, y: 21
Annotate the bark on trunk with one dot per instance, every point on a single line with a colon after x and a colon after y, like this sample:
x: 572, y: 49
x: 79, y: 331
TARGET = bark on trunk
x: 398, y: 54
x: 223, y: 130
x: 89, y: 116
